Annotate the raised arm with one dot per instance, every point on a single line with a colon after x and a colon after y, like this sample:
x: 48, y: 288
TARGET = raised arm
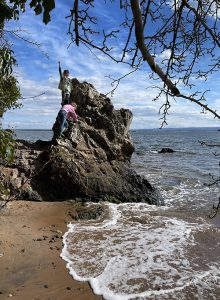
x: 60, y: 71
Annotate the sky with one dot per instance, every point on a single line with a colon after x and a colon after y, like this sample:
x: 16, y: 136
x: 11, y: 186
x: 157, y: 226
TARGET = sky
x: 37, y: 74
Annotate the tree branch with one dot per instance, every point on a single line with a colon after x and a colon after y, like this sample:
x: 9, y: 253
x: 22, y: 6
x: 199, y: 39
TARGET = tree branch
x: 76, y: 5
x: 117, y: 81
x: 204, y: 106
x: 139, y: 32
x: 216, y: 40
x: 215, y: 208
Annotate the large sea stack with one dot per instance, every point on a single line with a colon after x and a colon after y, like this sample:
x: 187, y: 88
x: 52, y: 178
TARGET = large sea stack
x: 91, y: 164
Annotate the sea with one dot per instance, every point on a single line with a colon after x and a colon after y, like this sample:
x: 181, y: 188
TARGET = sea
x: 139, y: 251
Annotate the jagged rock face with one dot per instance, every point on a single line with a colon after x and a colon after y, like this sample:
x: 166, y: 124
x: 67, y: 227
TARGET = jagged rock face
x: 103, y: 129
x: 93, y: 164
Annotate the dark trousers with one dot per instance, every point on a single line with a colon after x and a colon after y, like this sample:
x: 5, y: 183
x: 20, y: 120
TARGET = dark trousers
x: 62, y: 121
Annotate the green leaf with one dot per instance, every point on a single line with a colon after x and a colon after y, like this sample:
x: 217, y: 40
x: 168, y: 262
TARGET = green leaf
x: 6, y: 12
x: 46, y: 18
x: 38, y: 9
x: 48, y: 6
x: 33, y: 3
x: 7, y: 145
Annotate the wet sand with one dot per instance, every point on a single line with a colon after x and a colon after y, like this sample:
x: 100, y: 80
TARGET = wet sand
x: 30, y: 247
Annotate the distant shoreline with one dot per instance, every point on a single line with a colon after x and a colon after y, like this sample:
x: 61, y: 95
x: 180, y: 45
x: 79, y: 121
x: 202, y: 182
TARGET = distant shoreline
x: 139, y: 129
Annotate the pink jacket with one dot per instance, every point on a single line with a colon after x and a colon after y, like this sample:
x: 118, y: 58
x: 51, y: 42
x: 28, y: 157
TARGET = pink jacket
x: 70, y: 112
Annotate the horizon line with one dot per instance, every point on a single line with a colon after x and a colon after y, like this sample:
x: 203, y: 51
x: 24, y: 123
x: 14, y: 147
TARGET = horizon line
x: 157, y: 128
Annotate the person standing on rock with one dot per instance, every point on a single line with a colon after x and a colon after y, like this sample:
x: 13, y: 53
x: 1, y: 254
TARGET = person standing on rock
x: 65, y: 85
x: 66, y: 114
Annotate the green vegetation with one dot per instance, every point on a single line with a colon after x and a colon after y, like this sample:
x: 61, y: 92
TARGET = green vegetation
x: 9, y: 95
x: 7, y: 145
x: 11, y: 9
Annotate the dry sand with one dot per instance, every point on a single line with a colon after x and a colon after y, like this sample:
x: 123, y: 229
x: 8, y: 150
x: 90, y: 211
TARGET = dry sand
x: 30, y: 247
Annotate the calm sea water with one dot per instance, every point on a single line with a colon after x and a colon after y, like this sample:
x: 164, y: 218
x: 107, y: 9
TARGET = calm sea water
x: 138, y: 251
x: 33, y: 135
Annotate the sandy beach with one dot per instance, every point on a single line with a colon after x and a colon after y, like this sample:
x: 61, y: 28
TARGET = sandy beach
x: 30, y: 247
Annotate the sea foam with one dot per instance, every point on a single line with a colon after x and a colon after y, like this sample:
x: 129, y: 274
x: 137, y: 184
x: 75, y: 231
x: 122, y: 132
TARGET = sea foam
x: 137, y: 254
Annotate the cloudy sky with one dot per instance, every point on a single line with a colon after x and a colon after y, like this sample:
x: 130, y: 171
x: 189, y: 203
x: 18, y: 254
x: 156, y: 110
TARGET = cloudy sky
x: 38, y: 74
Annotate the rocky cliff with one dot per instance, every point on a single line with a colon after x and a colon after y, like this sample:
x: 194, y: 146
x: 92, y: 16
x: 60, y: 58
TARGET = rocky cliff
x: 91, y: 163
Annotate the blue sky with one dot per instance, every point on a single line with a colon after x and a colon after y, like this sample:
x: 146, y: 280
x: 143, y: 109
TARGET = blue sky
x: 38, y: 74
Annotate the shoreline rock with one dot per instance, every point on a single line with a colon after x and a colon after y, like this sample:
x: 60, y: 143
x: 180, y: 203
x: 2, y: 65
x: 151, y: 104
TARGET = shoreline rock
x: 166, y: 150
x: 92, y: 163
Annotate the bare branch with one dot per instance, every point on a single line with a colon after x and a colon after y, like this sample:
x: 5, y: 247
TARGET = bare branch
x: 202, y: 21
x: 18, y: 33
x: 32, y: 97
x: 145, y: 53
x: 215, y: 208
x: 76, y: 4
x: 164, y: 109
x: 208, y: 144
x: 117, y: 81
x: 204, y: 106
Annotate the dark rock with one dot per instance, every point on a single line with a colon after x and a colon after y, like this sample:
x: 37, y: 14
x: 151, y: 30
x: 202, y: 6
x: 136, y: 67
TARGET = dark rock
x: 91, y: 163
x: 166, y: 150
x: 88, y: 213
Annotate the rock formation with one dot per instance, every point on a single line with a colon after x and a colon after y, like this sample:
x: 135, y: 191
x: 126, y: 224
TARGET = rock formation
x: 166, y: 150
x: 92, y: 164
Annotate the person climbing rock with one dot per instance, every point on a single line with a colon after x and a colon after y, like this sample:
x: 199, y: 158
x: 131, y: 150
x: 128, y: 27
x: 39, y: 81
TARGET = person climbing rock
x: 66, y: 115
x: 65, y: 85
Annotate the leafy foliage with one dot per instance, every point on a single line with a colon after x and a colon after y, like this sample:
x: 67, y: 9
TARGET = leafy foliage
x: 7, y: 145
x: 7, y: 61
x: 6, y: 12
x: 9, y: 93
x: 9, y: 90
x: 12, y: 10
